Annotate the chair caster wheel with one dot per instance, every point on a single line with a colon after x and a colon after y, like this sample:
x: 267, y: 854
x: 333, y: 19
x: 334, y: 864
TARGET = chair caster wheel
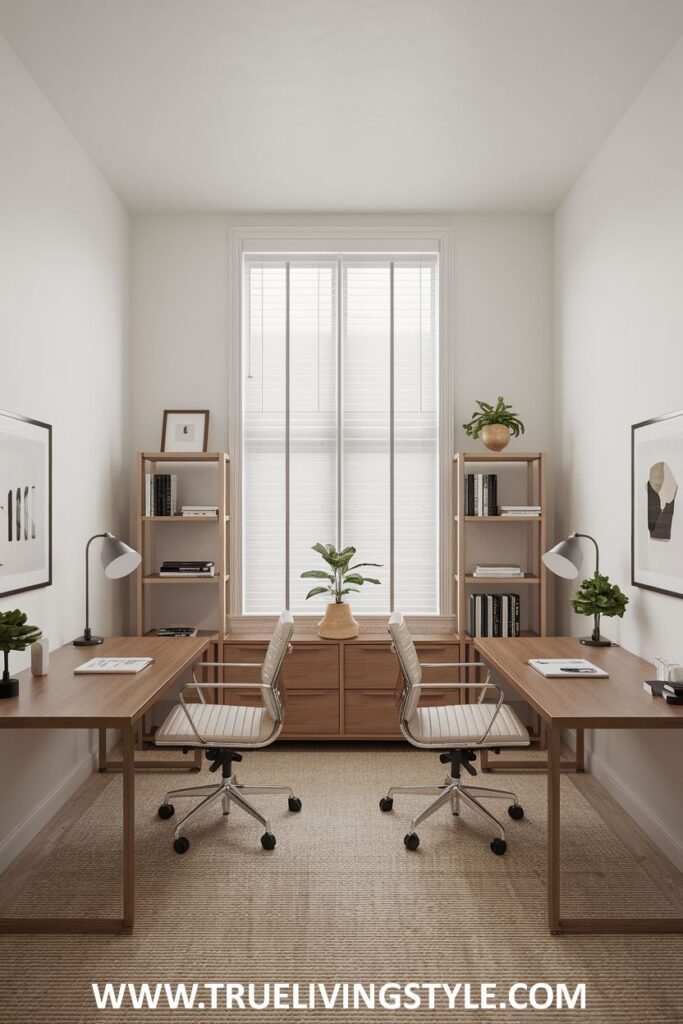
x: 386, y: 803
x: 499, y: 846
x: 294, y: 803
x: 268, y: 841
x: 181, y: 844
x: 411, y: 841
x: 516, y: 812
x: 166, y: 811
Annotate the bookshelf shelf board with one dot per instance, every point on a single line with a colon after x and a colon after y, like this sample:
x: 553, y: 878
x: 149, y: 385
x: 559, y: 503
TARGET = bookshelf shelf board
x: 185, y: 456
x: 501, y: 519
x: 180, y: 519
x: 507, y: 580
x: 203, y: 580
x: 497, y: 456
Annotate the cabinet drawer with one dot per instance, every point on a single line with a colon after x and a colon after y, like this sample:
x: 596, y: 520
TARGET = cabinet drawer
x: 242, y: 654
x: 370, y: 666
x: 314, y: 666
x: 368, y: 712
x: 311, y: 713
x: 438, y: 653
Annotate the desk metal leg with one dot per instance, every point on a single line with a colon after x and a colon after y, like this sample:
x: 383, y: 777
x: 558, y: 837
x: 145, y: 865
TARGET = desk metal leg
x: 553, y: 738
x: 128, y: 828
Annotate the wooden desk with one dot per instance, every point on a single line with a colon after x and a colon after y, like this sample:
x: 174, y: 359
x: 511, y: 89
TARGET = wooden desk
x: 615, y: 703
x: 62, y: 700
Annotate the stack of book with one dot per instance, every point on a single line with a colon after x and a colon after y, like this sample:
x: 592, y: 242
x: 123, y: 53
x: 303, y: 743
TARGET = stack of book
x: 519, y: 510
x: 672, y: 692
x: 501, y: 572
x: 494, y: 615
x: 200, y: 511
x: 161, y: 494
x: 481, y: 494
x: 176, y: 631
x: 186, y: 568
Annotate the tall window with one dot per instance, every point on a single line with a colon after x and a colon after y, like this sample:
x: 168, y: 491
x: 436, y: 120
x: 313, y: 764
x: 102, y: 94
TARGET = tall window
x: 340, y: 426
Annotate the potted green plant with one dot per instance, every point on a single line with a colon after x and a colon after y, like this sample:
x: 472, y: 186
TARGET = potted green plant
x: 341, y: 578
x: 15, y: 635
x: 495, y: 423
x: 597, y: 596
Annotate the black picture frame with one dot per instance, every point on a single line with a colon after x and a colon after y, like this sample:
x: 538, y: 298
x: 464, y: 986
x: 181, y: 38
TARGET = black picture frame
x: 23, y: 430
x: 652, y: 431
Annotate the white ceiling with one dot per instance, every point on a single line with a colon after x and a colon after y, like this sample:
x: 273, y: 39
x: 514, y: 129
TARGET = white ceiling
x: 341, y: 105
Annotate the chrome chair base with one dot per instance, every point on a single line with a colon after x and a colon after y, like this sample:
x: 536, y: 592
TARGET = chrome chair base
x: 456, y: 793
x: 229, y: 790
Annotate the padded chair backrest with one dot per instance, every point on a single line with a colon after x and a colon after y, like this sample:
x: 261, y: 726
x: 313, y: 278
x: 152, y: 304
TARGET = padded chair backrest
x: 272, y: 664
x: 410, y: 665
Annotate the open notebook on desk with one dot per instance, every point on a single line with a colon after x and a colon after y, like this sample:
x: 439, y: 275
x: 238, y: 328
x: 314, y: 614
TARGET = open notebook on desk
x: 558, y: 668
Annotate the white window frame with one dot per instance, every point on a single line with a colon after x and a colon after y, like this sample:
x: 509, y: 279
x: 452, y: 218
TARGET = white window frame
x: 243, y: 240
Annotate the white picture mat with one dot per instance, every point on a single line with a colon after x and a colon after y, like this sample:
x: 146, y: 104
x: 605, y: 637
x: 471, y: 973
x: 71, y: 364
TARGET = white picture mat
x: 658, y: 563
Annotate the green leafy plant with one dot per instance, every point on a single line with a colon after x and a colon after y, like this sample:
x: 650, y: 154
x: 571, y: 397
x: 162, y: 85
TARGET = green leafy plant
x: 341, y: 577
x: 15, y: 635
x: 488, y: 414
x: 597, y: 596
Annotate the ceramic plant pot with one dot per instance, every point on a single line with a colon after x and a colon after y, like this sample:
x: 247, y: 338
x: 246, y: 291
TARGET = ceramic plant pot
x: 496, y: 436
x: 338, y: 623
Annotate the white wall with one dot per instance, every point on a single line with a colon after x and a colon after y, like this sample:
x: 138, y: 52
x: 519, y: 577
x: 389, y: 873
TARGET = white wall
x: 63, y: 337
x: 501, y: 330
x: 620, y: 360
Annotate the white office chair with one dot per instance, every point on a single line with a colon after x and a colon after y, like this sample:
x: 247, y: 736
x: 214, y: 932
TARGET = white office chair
x: 224, y: 729
x: 457, y: 730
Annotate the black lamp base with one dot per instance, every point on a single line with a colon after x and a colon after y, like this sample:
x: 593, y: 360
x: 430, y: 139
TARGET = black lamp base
x: 8, y: 688
x: 88, y: 641
x: 590, y: 642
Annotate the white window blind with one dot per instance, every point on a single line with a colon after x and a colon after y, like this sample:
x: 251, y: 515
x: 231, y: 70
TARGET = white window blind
x: 340, y: 426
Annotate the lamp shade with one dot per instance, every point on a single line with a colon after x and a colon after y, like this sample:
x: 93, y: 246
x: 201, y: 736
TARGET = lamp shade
x: 565, y: 558
x: 118, y: 559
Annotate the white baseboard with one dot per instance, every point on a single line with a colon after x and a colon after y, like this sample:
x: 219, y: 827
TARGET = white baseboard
x: 670, y: 845
x: 25, y: 831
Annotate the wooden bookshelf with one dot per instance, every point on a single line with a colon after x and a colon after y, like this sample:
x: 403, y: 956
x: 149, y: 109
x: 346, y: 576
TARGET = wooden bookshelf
x: 211, y: 472
x: 524, y: 473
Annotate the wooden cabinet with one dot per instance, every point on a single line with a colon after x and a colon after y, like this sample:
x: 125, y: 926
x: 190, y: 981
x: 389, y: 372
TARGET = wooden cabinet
x: 342, y: 689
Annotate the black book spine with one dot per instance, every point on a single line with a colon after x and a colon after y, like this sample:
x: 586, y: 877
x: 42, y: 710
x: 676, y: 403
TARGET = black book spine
x: 493, y: 495
x: 518, y: 630
x: 472, y: 620
x: 156, y: 494
x: 470, y: 495
x: 167, y: 510
x: 497, y: 630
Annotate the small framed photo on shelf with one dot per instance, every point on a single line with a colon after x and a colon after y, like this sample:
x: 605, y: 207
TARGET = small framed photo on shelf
x: 25, y: 504
x: 657, y: 504
x: 185, y: 430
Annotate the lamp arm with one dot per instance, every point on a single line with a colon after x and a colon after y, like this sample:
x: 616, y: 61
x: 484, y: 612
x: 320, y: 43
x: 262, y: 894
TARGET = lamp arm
x: 87, y: 581
x: 597, y: 549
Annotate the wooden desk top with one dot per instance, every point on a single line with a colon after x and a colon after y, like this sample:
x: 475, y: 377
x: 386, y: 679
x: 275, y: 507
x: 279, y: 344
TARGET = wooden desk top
x: 616, y: 702
x: 64, y: 700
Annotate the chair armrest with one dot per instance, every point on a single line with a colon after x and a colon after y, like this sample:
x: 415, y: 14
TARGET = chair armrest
x: 457, y: 686
x: 451, y: 664
x: 229, y: 664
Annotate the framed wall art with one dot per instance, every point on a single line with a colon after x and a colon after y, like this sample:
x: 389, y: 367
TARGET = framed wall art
x: 657, y: 504
x: 185, y: 430
x: 25, y: 504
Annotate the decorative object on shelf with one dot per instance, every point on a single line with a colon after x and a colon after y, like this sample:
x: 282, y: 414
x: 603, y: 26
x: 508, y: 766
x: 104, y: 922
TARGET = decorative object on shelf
x: 496, y: 423
x: 596, y: 596
x: 338, y: 623
x: 118, y: 560
x: 15, y: 635
x: 656, y: 507
x: 185, y: 430
x: 25, y: 504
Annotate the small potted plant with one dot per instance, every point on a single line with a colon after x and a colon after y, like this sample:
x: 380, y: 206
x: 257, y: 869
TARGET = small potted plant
x: 495, y: 423
x: 15, y: 635
x: 341, y: 578
x: 597, y: 596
